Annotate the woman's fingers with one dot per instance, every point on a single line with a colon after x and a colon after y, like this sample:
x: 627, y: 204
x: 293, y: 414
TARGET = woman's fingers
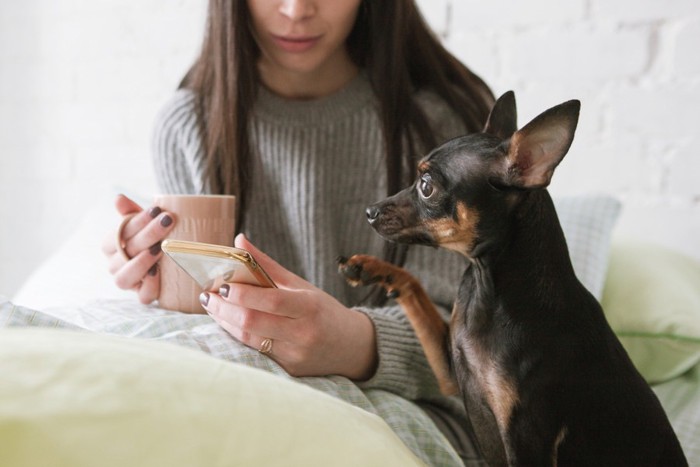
x: 139, y: 236
x: 279, y: 350
x: 281, y: 276
x: 150, y: 285
x: 130, y: 274
x: 142, y: 230
x: 251, y: 327
x: 287, y: 303
x: 144, y: 244
x: 126, y: 205
x: 146, y: 230
x: 247, y: 322
x: 329, y: 340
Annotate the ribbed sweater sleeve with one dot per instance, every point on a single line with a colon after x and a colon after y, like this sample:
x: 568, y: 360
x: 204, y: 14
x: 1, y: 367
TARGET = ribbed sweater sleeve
x: 316, y: 166
x: 403, y: 368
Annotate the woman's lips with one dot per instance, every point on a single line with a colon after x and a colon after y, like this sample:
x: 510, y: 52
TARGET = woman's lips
x: 295, y: 44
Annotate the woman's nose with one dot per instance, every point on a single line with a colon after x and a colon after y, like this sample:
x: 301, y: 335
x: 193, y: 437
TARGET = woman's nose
x: 297, y: 9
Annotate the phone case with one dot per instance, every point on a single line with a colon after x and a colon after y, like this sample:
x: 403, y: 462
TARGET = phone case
x: 213, y: 265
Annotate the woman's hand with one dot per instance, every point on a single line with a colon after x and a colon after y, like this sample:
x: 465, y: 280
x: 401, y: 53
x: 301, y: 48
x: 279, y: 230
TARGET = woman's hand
x: 312, y: 333
x: 141, y: 237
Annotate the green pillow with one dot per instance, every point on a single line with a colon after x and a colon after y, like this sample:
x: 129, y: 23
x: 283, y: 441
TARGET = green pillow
x: 652, y: 301
x: 80, y: 399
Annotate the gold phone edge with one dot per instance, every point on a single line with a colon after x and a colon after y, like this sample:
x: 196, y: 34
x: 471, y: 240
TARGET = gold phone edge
x: 207, y: 249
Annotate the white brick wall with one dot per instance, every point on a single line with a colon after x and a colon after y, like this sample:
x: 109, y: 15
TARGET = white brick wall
x: 80, y: 81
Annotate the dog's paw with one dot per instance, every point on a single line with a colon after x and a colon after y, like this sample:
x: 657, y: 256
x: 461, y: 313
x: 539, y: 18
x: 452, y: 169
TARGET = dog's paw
x: 368, y: 270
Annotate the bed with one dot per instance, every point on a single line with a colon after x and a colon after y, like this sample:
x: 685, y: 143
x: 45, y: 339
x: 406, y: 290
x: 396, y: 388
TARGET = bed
x: 92, y: 377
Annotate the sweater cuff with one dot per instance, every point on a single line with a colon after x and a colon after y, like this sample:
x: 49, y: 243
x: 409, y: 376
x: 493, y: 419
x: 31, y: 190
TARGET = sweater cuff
x: 402, y: 368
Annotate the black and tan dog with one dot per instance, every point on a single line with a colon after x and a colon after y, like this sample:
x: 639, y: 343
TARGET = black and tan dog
x: 543, y: 376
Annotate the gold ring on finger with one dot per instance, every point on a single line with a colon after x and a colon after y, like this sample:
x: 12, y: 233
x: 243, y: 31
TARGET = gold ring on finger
x: 266, y: 346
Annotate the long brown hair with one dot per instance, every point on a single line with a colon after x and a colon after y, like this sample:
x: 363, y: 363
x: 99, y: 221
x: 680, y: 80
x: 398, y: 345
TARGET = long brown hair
x: 390, y: 40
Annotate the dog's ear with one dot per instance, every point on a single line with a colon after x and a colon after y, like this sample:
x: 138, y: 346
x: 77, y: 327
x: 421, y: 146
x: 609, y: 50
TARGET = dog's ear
x: 535, y: 150
x: 503, y: 119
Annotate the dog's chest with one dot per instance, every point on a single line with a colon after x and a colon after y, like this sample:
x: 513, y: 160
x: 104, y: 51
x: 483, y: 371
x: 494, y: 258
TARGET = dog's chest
x: 481, y: 376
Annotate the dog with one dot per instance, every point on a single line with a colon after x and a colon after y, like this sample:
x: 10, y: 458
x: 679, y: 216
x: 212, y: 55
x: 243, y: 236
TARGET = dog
x: 542, y: 375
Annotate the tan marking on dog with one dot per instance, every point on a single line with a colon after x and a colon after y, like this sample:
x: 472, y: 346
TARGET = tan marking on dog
x: 500, y: 394
x: 560, y: 439
x: 498, y: 390
x: 423, y: 167
x: 456, y: 235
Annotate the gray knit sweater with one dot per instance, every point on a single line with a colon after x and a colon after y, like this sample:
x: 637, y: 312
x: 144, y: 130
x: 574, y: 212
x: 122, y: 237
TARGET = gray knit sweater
x: 317, y: 165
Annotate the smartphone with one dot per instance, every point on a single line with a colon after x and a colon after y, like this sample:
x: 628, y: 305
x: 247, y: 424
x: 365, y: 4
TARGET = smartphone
x: 213, y: 265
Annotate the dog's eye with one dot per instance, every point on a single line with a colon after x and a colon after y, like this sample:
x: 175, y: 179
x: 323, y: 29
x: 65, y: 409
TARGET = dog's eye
x: 425, y: 186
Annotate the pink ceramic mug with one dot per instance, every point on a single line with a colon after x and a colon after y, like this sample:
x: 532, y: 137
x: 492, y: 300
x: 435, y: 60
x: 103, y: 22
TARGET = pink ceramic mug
x: 198, y: 218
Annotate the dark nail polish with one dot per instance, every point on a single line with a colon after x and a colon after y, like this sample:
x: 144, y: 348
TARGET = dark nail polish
x: 155, y: 249
x: 224, y: 289
x: 204, y: 298
x: 153, y: 270
x: 166, y: 221
x: 154, y: 211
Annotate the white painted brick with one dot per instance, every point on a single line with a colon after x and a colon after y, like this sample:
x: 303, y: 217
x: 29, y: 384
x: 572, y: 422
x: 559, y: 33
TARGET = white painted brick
x: 139, y: 119
x: 113, y: 164
x: 36, y: 161
x: 16, y: 28
x: 124, y: 31
x: 660, y: 154
x: 497, y: 14
x: 686, y: 57
x: 478, y: 51
x: 435, y: 13
x: 84, y: 121
x: 19, y: 81
x: 535, y: 96
x: 661, y: 111
x: 107, y: 79
x: 16, y: 129
x: 14, y: 12
x: 576, y: 54
x: 603, y: 166
x: 643, y: 10
x: 684, y: 172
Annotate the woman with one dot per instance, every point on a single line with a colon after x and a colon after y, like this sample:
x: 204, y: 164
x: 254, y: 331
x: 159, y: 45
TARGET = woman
x: 308, y: 111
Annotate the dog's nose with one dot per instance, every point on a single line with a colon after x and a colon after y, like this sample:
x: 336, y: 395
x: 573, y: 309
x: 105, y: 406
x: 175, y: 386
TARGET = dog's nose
x: 372, y: 213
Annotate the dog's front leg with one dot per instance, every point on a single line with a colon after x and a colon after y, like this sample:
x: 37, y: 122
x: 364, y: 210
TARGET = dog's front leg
x: 431, y: 330
x: 528, y: 442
